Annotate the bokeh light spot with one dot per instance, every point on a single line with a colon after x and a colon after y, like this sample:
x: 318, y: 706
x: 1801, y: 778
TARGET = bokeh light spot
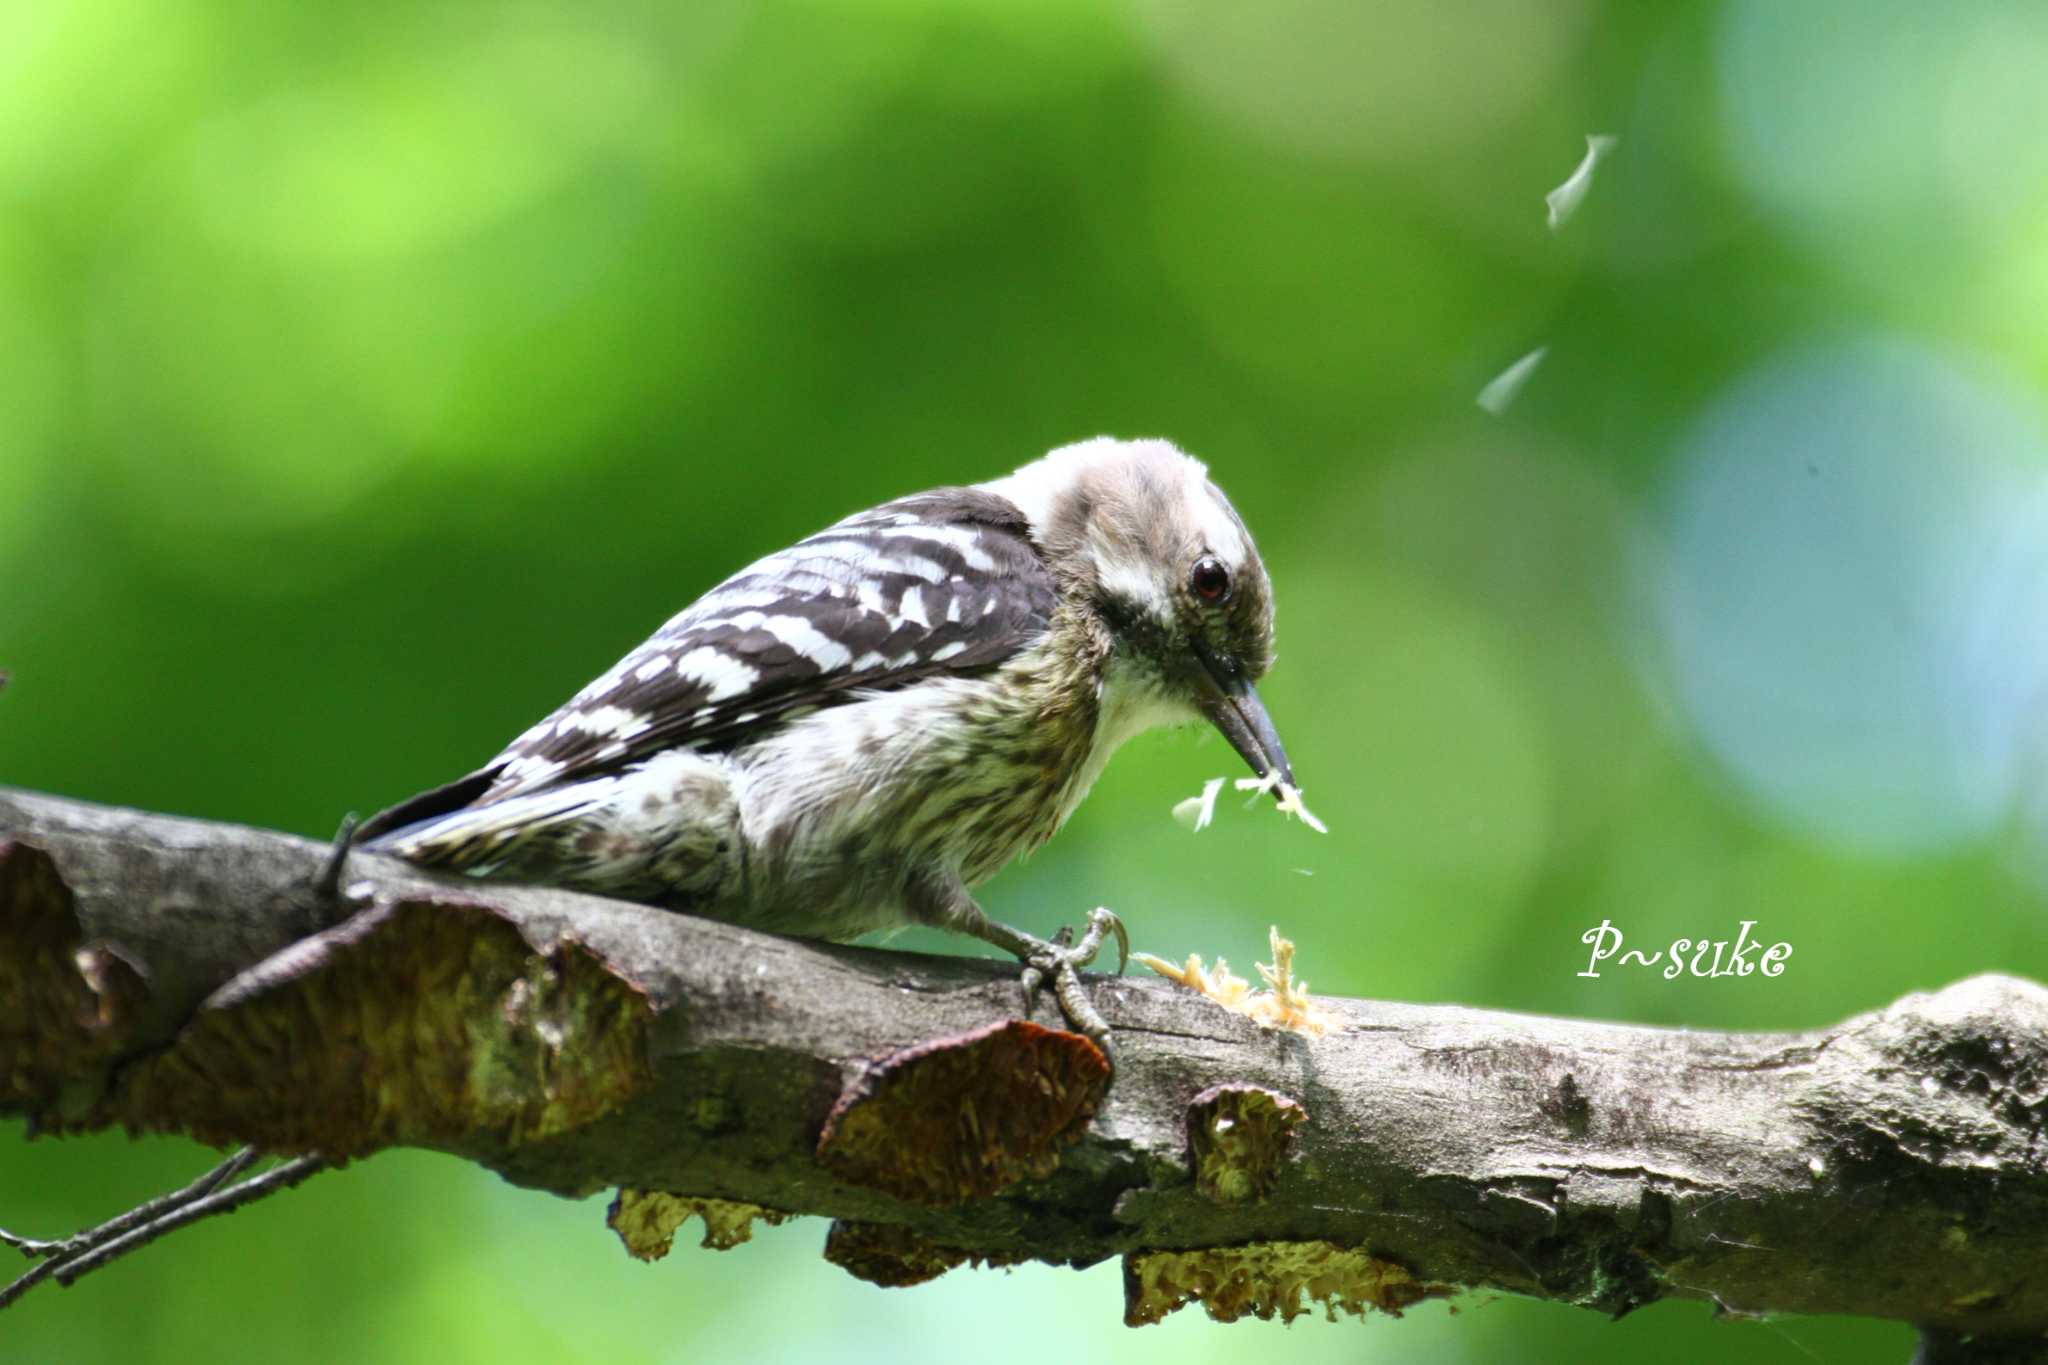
x: 1385, y: 81
x: 1867, y: 121
x: 1853, y: 601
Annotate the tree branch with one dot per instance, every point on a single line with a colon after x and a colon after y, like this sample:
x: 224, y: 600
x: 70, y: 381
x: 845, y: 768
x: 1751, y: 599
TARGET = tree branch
x: 169, y: 975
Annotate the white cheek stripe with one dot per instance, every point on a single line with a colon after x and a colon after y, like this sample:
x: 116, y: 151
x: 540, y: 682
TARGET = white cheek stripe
x: 1133, y: 583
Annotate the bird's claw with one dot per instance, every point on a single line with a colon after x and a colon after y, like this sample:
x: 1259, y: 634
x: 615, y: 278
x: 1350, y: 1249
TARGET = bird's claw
x: 1102, y: 920
x: 1060, y: 960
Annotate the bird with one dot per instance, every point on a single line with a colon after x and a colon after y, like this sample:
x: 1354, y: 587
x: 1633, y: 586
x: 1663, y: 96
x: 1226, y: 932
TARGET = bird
x: 854, y: 733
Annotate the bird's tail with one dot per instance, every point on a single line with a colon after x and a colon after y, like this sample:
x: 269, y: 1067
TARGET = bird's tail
x: 441, y: 829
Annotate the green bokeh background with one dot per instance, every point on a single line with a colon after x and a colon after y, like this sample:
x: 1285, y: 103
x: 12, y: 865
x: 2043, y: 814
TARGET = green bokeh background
x: 371, y: 378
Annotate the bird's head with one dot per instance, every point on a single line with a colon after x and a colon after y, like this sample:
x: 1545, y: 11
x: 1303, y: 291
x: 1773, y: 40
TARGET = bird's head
x: 1137, y: 534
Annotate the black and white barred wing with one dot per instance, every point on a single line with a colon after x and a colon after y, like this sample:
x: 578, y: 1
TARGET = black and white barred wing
x: 940, y: 582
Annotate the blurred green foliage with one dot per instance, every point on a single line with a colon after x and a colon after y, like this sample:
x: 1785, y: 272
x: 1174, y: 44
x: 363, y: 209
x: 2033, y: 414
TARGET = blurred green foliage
x: 371, y: 378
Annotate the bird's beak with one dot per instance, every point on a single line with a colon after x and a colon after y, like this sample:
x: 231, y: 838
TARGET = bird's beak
x: 1232, y: 705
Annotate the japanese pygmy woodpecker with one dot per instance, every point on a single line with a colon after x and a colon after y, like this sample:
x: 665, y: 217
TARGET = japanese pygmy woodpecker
x: 855, y: 732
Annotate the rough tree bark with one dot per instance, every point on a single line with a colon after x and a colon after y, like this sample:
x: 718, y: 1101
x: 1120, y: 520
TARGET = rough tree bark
x: 169, y: 975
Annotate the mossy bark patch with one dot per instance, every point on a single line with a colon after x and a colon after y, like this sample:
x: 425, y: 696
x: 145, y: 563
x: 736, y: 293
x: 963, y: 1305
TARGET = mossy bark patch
x: 888, y: 1254
x: 67, y: 1006
x: 647, y: 1221
x: 1238, y: 1136
x: 963, y: 1117
x: 426, y: 1022
x: 1268, y: 1280
x: 894, y: 1256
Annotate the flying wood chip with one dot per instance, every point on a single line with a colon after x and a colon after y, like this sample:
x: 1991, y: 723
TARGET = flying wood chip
x: 960, y: 1118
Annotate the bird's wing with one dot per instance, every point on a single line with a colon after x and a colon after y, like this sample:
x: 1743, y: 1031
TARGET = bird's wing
x: 944, y: 582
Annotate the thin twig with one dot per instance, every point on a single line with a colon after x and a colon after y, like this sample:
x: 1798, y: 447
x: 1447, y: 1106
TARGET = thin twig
x: 28, y: 1281
x: 70, y: 1257
x: 66, y: 1247
x: 223, y: 1201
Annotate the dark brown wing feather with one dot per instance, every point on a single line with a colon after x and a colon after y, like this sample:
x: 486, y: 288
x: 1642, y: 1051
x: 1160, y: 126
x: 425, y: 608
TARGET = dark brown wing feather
x: 945, y: 582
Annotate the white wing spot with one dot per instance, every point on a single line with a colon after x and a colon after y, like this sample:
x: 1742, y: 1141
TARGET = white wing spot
x: 953, y: 608
x: 945, y: 652
x: 967, y: 542
x: 530, y: 771
x: 846, y: 548
x: 911, y: 608
x: 653, y: 668
x: 806, y: 639
x: 724, y: 675
x: 602, y: 721
x: 916, y: 566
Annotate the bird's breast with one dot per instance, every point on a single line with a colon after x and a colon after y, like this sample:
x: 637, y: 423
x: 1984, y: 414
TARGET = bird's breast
x: 959, y: 773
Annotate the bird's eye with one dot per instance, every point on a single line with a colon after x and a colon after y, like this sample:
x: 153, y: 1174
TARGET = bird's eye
x: 1209, y: 580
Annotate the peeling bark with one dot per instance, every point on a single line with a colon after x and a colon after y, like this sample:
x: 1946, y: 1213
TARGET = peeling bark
x: 960, y: 1118
x: 168, y: 975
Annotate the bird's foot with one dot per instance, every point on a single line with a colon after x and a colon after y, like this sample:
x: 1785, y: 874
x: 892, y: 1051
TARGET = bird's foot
x: 1059, y: 960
